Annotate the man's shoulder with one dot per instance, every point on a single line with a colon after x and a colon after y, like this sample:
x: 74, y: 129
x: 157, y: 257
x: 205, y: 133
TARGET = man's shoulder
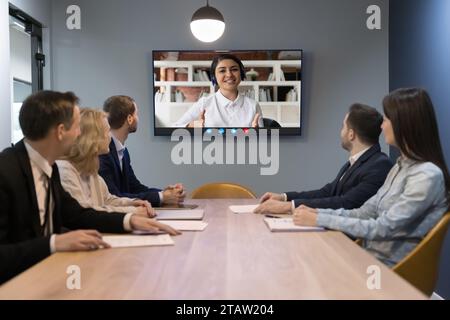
x: 8, y: 156
x: 381, y: 157
x: 9, y: 162
x: 107, y: 157
x: 107, y: 163
x: 378, y: 162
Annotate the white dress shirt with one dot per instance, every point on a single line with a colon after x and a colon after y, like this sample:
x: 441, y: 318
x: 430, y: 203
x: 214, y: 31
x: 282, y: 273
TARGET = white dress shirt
x: 355, y: 157
x: 222, y: 112
x: 42, y: 172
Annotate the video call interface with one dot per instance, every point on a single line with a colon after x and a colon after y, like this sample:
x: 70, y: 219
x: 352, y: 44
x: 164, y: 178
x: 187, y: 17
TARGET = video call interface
x: 270, y: 79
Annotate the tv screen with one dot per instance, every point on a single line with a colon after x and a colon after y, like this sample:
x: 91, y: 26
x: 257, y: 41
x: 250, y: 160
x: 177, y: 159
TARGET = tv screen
x: 249, y: 89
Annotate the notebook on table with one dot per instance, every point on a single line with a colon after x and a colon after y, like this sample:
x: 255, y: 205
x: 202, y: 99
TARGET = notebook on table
x: 287, y: 225
x: 243, y: 208
x: 193, y: 214
x: 181, y: 206
x: 129, y: 241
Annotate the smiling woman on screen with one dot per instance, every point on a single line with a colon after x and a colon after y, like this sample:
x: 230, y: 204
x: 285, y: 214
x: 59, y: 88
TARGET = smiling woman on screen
x: 227, y: 107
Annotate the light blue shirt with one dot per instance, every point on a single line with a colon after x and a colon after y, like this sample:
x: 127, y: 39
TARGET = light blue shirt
x: 120, y: 149
x: 410, y: 203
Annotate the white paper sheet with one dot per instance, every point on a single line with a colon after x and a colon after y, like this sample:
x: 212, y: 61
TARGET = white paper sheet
x: 244, y: 209
x: 124, y: 241
x: 186, y: 225
x: 194, y: 214
x: 287, y: 224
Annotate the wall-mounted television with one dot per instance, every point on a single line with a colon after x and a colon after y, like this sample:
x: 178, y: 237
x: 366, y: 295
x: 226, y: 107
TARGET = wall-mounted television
x: 188, y: 94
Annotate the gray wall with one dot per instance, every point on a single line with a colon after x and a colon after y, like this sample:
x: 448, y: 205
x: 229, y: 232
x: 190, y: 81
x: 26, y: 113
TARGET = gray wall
x: 344, y: 63
x: 420, y: 56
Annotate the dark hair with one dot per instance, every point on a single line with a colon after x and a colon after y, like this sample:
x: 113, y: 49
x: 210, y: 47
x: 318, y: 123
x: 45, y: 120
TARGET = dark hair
x: 44, y: 110
x: 221, y: 57
x: 415, y: 127
x: 118, y: 109
x: 366, y: 122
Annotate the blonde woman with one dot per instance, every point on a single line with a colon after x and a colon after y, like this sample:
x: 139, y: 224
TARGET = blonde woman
x: 79, y: 169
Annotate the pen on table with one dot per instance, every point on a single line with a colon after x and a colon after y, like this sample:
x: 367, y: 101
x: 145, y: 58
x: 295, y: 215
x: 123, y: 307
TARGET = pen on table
x: 271, y: 216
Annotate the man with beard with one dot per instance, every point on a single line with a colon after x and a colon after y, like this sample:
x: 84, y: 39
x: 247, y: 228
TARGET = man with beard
x: 115, y: 167
x: 357, y: 181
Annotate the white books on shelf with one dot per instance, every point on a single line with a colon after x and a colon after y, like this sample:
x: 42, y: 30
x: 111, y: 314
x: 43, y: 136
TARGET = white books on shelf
x: 193, y: 214
x: 205, y: 76
x: 127, y: 241
x: 262, y: 95
x: 159, y: 96
x: 287, y: 225
x: 179, y: 96
x: 201, y: 75
x: 291, y: 95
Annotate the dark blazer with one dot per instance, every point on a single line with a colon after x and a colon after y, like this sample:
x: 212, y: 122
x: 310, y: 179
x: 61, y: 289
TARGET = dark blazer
x: 360, y: 183
x: 123, y: 183
x: 21, y: 241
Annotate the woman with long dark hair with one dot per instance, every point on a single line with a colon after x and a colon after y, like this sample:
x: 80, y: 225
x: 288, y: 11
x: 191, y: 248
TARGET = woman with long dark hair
x: 415, y: 194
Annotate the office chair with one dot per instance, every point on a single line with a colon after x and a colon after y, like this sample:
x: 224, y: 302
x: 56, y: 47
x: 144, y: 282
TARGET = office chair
x: 222, y: 190
x: 421, y: 266
x: 270, y: 123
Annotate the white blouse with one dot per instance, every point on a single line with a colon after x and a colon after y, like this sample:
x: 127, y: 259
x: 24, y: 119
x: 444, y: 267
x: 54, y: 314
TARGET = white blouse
x: 91, y: 191
x: 222, y: 112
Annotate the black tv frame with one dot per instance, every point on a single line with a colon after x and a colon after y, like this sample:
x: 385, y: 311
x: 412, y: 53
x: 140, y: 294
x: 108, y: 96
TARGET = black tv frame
x: 290, y: 131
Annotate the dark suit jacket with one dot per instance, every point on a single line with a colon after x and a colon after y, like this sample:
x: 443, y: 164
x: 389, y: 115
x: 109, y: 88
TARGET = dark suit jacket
x: 21, y: 241
x: 360, y: 183
x: 123, y: 183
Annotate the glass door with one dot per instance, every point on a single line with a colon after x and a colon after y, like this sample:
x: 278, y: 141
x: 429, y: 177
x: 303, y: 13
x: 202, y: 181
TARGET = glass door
x: 27, y: 63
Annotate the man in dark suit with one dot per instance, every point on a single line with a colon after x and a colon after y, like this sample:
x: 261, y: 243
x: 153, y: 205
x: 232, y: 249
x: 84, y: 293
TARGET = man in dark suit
x: 115, y: 167
x: 359, y: 178
x: 34, y: 208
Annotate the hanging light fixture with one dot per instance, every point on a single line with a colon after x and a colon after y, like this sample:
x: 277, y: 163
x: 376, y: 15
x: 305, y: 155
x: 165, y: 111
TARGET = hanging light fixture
x: 207, y: 24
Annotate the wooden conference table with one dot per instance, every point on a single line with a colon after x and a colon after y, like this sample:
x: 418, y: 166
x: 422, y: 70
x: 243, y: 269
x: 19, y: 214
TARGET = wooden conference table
x: 235, y: 257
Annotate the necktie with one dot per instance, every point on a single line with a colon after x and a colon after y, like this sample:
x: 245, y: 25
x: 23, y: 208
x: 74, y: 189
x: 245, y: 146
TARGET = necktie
x: 347, y: 166
x: 121, y: 156
x: 47, y: 218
